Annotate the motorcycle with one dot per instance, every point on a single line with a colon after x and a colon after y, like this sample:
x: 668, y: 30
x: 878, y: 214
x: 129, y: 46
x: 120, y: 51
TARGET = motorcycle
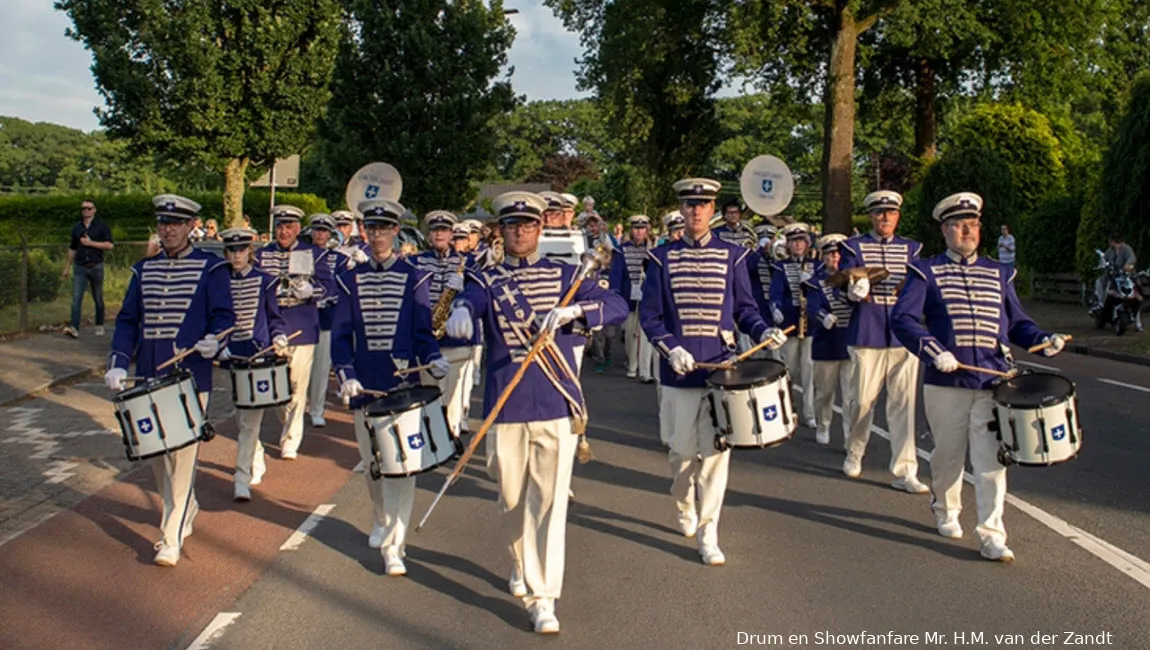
x: 1123, y: 297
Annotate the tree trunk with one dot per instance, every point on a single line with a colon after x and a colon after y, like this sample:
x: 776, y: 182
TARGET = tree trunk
x: 925, y: 114
x: 234, y: 183
x: 839, y: 135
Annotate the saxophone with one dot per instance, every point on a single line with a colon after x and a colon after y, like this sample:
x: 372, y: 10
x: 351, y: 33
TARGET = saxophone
x: 443, y: 306
x: 802, y: 301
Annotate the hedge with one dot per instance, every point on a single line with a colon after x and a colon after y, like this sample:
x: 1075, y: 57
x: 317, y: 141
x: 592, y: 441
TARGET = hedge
x: 967, y: 170
x: 44, y: 280
x: 1124, y: 193
x: 48, y: 219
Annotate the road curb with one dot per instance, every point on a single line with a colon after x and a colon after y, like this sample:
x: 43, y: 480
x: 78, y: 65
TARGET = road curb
x: 79, y: 374
x: 1135, y: 359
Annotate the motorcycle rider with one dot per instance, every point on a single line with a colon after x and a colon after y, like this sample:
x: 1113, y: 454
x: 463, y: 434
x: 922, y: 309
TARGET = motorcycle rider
x: 1118, y: 256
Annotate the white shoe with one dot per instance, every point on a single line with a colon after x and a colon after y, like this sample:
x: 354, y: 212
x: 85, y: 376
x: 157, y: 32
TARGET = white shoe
x: 317, y: 421
x: 711, y: 555
x: 543, y: 616
x: 515, y: 585
x: 688, y: 523
x: 100, y: 330
x: 375, y: 539
x: 852, y: 466
x: 810, y: 423
x: 632, y: 375
x: 243, y: 492
x: 823, y: 437
x: 996, y: 551
x: 949, y: 527
x: 256, y: 479
x: 289, y: 455
x: 393, y: 562
x: 910, y: 484
x: 166, y: 555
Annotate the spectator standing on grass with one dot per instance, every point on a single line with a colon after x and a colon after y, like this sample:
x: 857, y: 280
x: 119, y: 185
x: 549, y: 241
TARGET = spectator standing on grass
x: 91, y: 237
x: 1006, y: 247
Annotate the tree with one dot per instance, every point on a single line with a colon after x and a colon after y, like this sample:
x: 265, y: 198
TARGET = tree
x: 561, y: 170
x: 415, y: 85
x: 1124, y: 194
x: 226, y: 84
x: 534, y: 130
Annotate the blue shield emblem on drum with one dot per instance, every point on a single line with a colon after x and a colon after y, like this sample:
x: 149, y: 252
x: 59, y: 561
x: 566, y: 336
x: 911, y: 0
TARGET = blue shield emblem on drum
x: 1058, y: 432
x: 768, y: 185
x: 770, y: 413
x: 263, y: 386
x: 371, y: 192
x: 415, y: 441
x: 145, y: 425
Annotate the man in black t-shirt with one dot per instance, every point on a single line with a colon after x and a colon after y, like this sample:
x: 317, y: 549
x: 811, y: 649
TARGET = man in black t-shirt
x: 91, y: 237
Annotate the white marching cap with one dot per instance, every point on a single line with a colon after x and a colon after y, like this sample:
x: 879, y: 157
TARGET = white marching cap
x: 343, y: 216
x: 238, y: 237
x: 460, y: 231
x: 569, y: 200
x: 173, y: 206
x: 698, y: 188
x: 554, y: 200
x: 381, y: 211
x: 517, y: 206
x: 639, y: 221
x: 796, y: 230
x: 882, y: 200
x: 286, y: 213
x: 961, y: 205
x: 831, y: 241
x: 440, y: 219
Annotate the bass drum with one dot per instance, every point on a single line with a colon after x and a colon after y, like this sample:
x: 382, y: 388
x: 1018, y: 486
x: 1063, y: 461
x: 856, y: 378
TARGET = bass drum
x: 751, y: 405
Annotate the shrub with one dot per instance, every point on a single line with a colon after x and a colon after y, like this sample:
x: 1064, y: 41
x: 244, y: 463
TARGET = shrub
x: 967, y: 170
x: 44, y: 280
x: 1124, y: 191
x: 1050, y: 235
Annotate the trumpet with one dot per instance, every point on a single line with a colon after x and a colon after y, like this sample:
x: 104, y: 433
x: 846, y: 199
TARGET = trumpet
x: 443, y: 306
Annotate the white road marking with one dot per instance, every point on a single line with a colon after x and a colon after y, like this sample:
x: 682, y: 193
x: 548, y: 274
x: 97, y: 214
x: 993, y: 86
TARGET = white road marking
x: 214, y: 630
x: 1124, y: 385
x: 1038, y: 365
x: 1128, y: 564
x: 44, y: 443
x: 300, y: 535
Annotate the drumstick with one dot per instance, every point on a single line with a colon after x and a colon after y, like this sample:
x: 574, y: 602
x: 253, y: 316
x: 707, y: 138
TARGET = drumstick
x: 988, y: 371
x: 272, y: 346
x: 407, y: 371
x: 1042, y: 346
x: 180, y: 357
x: 742, y: 357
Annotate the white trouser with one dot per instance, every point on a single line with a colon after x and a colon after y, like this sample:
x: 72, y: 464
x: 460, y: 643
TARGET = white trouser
x: 455, y: 385
x: 291, y: 414
x: 533, y: 462
x: 959, y: 417
x: 640, y: 353
x: 897, y: 369
x: 320, y: 367
x: 685, y: 426
x: 175, y: 482
x: 827, y: 375
x: 796, y: 353
x: 391, y: 498
x: 579, y: 348
x: 250, y: 465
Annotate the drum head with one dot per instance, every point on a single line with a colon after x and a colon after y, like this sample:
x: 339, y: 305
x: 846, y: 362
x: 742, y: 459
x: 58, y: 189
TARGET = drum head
x: 748, y: 374
x: 1033, y: 390
x: 402, y: 400
x: 146, y: 387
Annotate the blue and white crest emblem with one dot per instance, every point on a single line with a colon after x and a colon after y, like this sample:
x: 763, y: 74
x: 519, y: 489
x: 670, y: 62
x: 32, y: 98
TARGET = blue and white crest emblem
x: 768, y: 185
x: 520, y: 205
x: 371, y: 192
x: 697, y: 189
x: 415, y: 441
x: 770, y: 413
x: 1058, y: 432
x: 169, y: 205
x: 144, y: 425
x: 262, y: 386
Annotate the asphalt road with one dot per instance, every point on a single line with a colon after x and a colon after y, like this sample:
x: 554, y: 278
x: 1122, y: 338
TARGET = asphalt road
x: 809, y: 551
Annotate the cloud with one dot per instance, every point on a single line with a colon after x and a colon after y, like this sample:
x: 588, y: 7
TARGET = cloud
x: 544, y: 53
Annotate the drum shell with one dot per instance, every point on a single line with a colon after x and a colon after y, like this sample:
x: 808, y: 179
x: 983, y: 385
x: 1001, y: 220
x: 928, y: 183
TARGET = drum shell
x: 754, y: 417
x: 160, y: 416
x: 261, y: 384
x: 412, y: 441
x: 1039, y: 435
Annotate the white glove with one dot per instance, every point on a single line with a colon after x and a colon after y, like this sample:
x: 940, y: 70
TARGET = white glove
x: 225, y: 355
x: 805, y: 276
x: 358, y: 255
x: 208, y: 346
x: 776, y: 315
x: 681, y: 361
x: 115, y: 377
x: 303, y: 290
x: 455, y: 282
x: 281, y: 344
x: 775, y: 336
x: 400, y: 363
x: 1057, y: 342
x: 459, y: 324
x: 829, y: 321
x: 636, y: 292
x: 946, y: 362
x: 439, y: 368
x: 350, y: 389
x: 858, y: 290
x: 559, y: 317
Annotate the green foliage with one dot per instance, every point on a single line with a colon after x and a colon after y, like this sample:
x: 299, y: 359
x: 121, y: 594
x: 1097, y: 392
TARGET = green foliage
x: 1093, y: 229
x: 415, y: 86
x: 536, y: 130
x: 1049, y: 236
x: 1124, y: 196
x: 44, y: 281
x: 985, y: 173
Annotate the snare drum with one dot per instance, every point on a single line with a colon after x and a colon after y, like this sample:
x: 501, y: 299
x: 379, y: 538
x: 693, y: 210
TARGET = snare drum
x: 751, y: 405
x: 1036, y: 418
x: 408, y: 433
x: 160, y: 416
x: 260, y: 383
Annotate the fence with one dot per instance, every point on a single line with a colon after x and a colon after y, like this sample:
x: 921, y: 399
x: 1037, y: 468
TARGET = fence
x: 1065, y: 288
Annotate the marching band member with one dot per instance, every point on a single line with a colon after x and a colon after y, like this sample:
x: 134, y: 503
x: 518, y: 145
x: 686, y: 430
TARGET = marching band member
x: 323, y: 226
x: 627, y: 273
x: 759, y: 265
x: 553, y: 216
x: 733, y: 230
x: 696, y: 292
x: 177, y: 299
x: 787, y: 309
x: 382, y: 324
x: 461, y: 238
x: 534, y: 445
x: 877, y: 359
x: 258, y: 325
x: 445, y: 269
x: 972, y: 312
x: 305, y: 282
x: 601, y: 338
x: 353, y: 248
x: 674, y: 224
x: 569, y: 203
x: 830, y: 316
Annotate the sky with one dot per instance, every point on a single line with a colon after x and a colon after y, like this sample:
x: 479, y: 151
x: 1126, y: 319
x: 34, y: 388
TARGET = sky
x: 45, y: 76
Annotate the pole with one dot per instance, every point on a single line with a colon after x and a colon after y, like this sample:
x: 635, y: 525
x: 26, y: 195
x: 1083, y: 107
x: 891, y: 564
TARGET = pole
x: 272, y: 203
x: 24, y: 272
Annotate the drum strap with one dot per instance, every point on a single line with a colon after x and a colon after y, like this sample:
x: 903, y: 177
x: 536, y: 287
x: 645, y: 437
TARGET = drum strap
x: 578, y: 406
